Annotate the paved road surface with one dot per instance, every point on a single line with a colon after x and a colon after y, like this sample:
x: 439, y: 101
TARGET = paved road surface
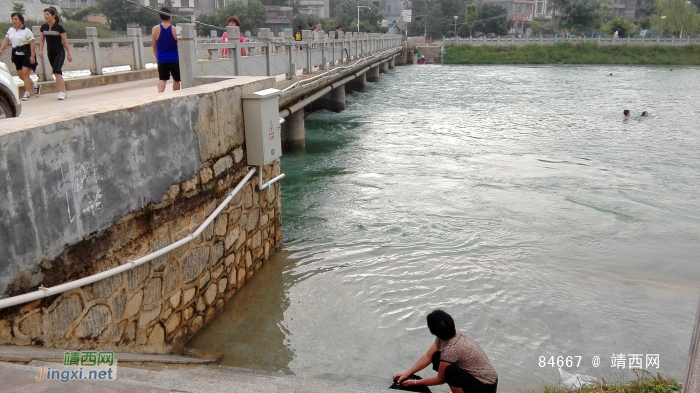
x: 86, y: 99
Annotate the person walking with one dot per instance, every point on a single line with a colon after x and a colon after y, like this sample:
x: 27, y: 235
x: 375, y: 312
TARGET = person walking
x: 164, y: 38
x: 458, y: 359
x: 232, y: 21
x: 319, y: 34
x: 56, y: 47
x: 21, y: 39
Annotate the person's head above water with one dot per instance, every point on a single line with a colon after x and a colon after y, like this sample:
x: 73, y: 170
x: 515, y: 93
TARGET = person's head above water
x: 626, y: 113
x: 644, y: 114
x: 441, y: 325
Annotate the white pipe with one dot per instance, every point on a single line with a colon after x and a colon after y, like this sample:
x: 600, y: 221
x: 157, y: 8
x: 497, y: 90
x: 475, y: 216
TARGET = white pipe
x: 261, y: 185
x: 44, y: 292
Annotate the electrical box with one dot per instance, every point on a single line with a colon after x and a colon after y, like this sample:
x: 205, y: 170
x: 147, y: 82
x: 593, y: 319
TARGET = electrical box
x: 263, y: 137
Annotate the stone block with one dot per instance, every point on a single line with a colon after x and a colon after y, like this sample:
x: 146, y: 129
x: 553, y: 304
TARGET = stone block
x: 171, y: 279
x: 172, y: 192
x: 257, y: 239
x: 106, y: 287
x: 56, y: 323
x: 196, y: 324
x: 240, y: 277
x: 248, y: 260
x: 142, y: 338
x: 166, y: 313
x: 264, y: 219
x: 31, y: 326
x: 205, y: 175
x: 221, y: 224
x: 222, y: 165
x: 204, y: 279
x: 114, y: 332
x: 270, y: 194
x: 200, y: 304
x: 194, y: 263
x: 188, y: 295
x: 210, y: 294
x: 238, y: 154
x: 222, y: 285
x: 187, y: 313
x: 217, y: 252
x: 94, y: 322
x: 175, y: 299
x: 230, y: 259
x: 267, y: 250
x: 160, y: 261
x: 233, y: 216
x: 135, y: 276
x: 253, y: 219
x: 133, y: 305
x: 118, y: 304
x: 157, y: 336
x: 217, y: 272
x: 131, y: 332
x: 208, y: 232
x: 231, y: 238
x: 5, y: 332
x: 149, y: 316
x: 173, y: 322
x: 241, y: 239
x: 190, y: 185
x: 152, y: 292
x: 248, y: 196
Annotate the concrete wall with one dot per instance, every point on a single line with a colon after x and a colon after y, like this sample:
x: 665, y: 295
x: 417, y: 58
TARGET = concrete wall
x: 86, y: 194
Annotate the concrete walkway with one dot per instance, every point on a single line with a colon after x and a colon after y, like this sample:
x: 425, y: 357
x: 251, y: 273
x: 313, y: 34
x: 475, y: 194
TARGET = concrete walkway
x: 172, y: 378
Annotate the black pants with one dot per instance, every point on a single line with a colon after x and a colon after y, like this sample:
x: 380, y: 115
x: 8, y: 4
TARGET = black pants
x: 455, y: 376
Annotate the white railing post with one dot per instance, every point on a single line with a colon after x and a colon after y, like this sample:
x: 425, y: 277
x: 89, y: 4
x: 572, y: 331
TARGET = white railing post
x: 233, y: 34
x: 132, y: 33
x: 46, y: 70
x: 187, y: 55
x: 91, y: 33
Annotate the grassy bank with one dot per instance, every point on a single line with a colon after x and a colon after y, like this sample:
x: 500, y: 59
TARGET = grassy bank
x: 646, y: 383
x: 568, y: 53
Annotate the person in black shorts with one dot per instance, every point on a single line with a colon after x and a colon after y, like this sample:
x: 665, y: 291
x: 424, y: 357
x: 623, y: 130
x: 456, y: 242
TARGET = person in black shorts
x: 56, y: 46
x: 21, y: 39
x: 164, y: 37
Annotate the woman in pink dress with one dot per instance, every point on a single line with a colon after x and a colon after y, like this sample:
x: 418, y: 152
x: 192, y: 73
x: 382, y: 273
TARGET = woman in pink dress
x: 232, y: 21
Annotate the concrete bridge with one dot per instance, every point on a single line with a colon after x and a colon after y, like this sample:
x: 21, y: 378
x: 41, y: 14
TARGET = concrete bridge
x: 130, y: 217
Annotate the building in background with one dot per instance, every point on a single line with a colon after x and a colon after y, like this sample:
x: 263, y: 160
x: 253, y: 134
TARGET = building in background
x: 278, y: 17
x: 320, y: 8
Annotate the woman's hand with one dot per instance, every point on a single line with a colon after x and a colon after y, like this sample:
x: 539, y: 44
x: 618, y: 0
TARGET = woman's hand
x: 32, y: 60
x: 41, y: 55
x: 408, y: 382
x: 70, y: 58
x: 401, y: 377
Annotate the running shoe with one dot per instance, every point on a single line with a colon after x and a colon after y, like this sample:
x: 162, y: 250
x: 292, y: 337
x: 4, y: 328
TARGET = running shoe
x: 62, y: 95
x: 37, y: 90
x: 26, y: 96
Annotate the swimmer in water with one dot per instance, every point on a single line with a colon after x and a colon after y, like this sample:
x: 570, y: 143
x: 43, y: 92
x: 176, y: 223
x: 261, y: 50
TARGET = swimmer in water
x: 626, y: 113
x: 644, y: 114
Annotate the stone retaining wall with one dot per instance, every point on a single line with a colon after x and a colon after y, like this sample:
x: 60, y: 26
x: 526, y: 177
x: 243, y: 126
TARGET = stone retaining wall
x: 155, y: 307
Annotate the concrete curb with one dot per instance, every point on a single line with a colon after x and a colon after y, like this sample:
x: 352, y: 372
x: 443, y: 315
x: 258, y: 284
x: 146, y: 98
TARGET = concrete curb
x: 97, y: 80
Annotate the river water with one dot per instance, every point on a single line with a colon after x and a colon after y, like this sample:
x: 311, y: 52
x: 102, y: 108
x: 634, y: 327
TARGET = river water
x: 513, y: 197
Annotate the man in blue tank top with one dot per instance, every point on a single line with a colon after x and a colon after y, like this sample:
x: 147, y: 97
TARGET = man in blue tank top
x: 164, y: 38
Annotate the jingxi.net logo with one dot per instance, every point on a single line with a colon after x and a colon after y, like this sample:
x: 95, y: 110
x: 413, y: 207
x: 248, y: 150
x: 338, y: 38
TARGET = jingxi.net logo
x: 82, y: 365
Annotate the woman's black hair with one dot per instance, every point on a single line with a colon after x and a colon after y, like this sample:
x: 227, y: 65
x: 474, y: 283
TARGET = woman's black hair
x: 18, y: 15
x: 441, y: 325
x: 53, y: 13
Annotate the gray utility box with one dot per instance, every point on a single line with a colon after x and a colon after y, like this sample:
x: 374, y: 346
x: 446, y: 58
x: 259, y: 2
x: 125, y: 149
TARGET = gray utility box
x: 263, y: 138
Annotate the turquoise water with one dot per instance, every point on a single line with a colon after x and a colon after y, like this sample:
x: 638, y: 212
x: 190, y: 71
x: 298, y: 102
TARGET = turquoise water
x: 515, y: 198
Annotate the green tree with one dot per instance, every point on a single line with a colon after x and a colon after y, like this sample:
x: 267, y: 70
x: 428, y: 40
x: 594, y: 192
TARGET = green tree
x: 681, y: 17
x: 492, y: 19
x: 346, y: 16
x: 19, y: 7
x: 581, y: 15
x: 471, y: 15
x: 645, y: 23
x: 120, y: 13
x: 85, y: 12
x: 623, y: 27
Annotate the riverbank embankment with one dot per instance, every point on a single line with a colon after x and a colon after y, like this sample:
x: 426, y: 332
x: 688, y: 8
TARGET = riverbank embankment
x: 566, y: 53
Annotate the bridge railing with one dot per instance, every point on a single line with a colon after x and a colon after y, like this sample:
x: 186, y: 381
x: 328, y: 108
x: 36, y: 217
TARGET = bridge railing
x: 512, y: 40
x: 270, y: 56
x: 93, y: 54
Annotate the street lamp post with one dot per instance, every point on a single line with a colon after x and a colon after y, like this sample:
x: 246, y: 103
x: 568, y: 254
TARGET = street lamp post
x: 455, y: 35
x: 662, y: 24
x: 358, y: 15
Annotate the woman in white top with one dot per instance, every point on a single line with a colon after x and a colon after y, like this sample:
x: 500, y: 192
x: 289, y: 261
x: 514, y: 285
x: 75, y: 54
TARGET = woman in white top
x: 23, y: 52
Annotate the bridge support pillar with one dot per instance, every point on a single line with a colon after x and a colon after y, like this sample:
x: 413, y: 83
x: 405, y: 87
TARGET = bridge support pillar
x: 293, y: 133
x: 333, y: 101
x: 358, y: 84
x: 392, y: 63
x: 373, y: 74
x: 384, y: 68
